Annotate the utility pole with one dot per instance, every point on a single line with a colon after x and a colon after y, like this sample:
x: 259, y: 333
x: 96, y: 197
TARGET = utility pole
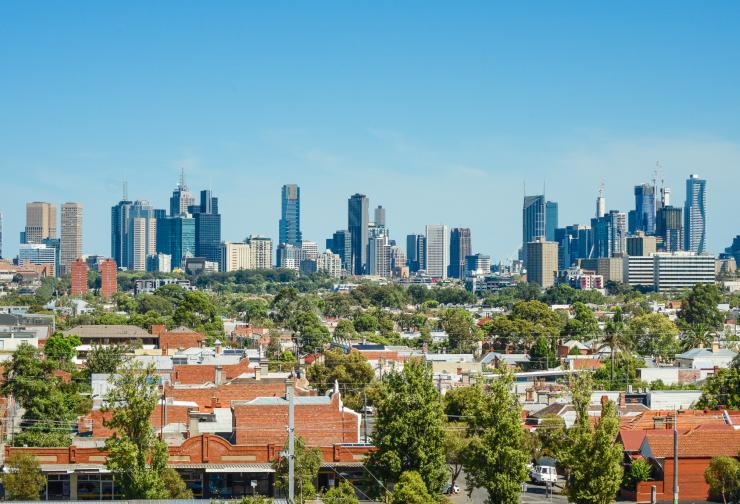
x: 364, y: 413
x: 675, y: 457
x: 291, y: 445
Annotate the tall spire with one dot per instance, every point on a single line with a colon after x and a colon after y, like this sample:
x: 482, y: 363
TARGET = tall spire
x: 125, y: 190
x: 182, y: 179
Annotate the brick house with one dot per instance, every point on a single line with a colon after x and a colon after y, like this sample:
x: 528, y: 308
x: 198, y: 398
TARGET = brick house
x: 181, y: 337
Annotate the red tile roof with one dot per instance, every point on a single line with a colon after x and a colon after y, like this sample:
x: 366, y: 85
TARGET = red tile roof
x: 697, y: 443
x: 631, y: 439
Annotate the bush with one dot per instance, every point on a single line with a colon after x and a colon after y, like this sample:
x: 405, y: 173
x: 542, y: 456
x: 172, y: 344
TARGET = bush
x: 640, y: 470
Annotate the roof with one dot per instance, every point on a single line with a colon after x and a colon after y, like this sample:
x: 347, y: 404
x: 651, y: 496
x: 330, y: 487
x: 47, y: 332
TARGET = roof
x: 697, y: 443
x: 697, y: 353
x: 108, y: 331
x: 632, y: 439
x: 280, y: 401
x: 508, y: 358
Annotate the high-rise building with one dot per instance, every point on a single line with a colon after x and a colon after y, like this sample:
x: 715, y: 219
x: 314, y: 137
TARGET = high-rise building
x: 601, y: 203
x: 669, y: 228
x: 643, y: 218
x: 399, y: 263
x: 379, y: 216
x: 235, y: 256
x: 176, y: 237
x: 551, y: 220
x: 379, y: 256
x: 357, y: 224
x: 641, y: 244
x: 108, y: 278
x: 288, y: 256
x: 160, y: 263
x: 78, y: 270
x: 119, y: 230
x: 695, y: 215
x: 733, y: 251
x: 71, y: 235
x: 182, y: 199
x: 261, y: 251
x: 341, y: 244
x: 208, y: 228
x: 290, y: 215
x: 416, y: 253
x: 682, y: 270
x: 141, y: 236
x: 459, y: 249
x: 437, y: 250
x: 533, y: 221
x: 574, y: 242
x: 41, y: 222
x: 309, y: 250
x: 542, y: 262
x: 329, y: 263
x: 478, y: 264
x: 39, y: 254
x: 609, y: 234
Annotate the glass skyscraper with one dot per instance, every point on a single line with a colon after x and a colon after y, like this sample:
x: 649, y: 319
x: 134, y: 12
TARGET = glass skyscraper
x: 208, y: 228
x: 644, y: 216
x: 695, y: 215
x: 533, y: 221
x: 176, y: 237
x: 551, y: 220
x: 119, y: 231
x: 341, y: 244
x: 460, y: 248
x: 290, y: 215
x: 416, y: 252
x: 357, y: 224
x: 669, y: 228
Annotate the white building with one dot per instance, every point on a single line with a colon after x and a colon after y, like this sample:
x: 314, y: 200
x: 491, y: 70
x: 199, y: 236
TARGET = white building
x: 261, y: 250
x: 379, y: 256
x: 437, y: 250
x: 236, y: 256
x: 289, y: 256
x: 309, y: 250
x: 38, y: 254
x: 143, y: 232
x: 330, y: 263
x: 706, y: 358
x: 161, y: 263
x: 639, y: 271
x: 682, y: 270
x: 71, y: 236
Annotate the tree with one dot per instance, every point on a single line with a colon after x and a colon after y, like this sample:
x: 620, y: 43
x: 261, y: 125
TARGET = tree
x: 462, y: 332
x: 344, y: 493
x: 105, y: 359
x: 351, y: 370
x: 345, y: 330
x: 640, y: 470
x: 542, y: 353
x: 456, y: 443
x: 136, y: 457
x: 722, y: 389
x: 700, y: 316
x: 616, y: 339
x: 409, y: 432
x: 307, y: 463
x: 23, y: 479
x: 176, y: 487
x: 455, y: 400
x: 411, y: 489
x: 551, y: 435
x: 592, y: 458
x: 583, y: 325
x: 311, y: 332
x: 654, y: 334
x: 723, y: 477
x: 61, y: 348
x: 496, y: 458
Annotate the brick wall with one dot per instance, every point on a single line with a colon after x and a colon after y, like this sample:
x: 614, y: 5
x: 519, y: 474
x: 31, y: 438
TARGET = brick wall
x: 691, y: 484
x: 224, y: 394
x: 196, y: 374
x: 94, y: 422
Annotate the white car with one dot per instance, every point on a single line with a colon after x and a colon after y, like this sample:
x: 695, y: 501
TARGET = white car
x: 544, y: 475
x: 452, y: 489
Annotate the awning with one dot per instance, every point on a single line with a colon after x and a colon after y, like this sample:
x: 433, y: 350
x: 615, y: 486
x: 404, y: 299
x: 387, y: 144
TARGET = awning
x: 74, y: 468
x: 227, y: 468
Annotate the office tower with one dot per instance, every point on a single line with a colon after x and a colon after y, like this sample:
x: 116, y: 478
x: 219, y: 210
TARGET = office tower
x: 733, y: 250
x: 176, y: 237
x: 54, y: 244
x: 641, y: 244
x: 39, y: 254
x: 261, y: 251
x: 357, y: 224
x: 478, y: 264
x: 551, y: 220
x: 398, y: 259
x: 341, y: 244
x: 542, y: 262
x: 639, y: 271
x: 309, y: 250
x: 459, y: 249
x: 141, y: 235
x: 669, y: 228
x: 379, y: 216
x: 182, y: 199
x: 533, y: 221
x: 601, y: 203
x: 437, y: 250
x: 677, y: 271
x: 416, y: 252
x: 71, y: 235
x: 119, y: 230
x: 235, y: 256
x: 330, y: 263
x: 290, y: 215
x: 41, y: 222
x: 78, y: 269
x: 609, y: 234
x: 288, y: 256
x: 643, y: 217
x: 208, y: 228
x: 108, y: 278
x: 574, y: 242
x: 695, y: 215
x: 379, y: 256
x: 159, y: 263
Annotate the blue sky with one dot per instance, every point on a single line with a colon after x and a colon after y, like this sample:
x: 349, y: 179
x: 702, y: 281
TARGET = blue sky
x: 439, y: 111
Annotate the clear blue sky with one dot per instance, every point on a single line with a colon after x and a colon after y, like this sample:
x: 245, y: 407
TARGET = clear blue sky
x: 439, y: 111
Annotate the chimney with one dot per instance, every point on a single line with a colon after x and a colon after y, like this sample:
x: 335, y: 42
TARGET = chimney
x: 219, y: 378
x: 264, y: 366
x: 622, y: 400
x: 193, y: 427
x: 215, y: 403
x: 604, y: 399
x: 530, y: 395
x: 257, y: 373
x: 218, y: 347
x: 715, y: 346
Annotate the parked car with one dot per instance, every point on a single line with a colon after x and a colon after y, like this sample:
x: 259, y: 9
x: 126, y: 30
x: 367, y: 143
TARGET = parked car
x: 543, y: 475
x: 370, y: 410
x: 451, y: 489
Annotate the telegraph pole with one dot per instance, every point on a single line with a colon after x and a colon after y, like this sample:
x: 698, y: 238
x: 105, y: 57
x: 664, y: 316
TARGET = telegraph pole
x: 291, y: 446
x: 675, y: 457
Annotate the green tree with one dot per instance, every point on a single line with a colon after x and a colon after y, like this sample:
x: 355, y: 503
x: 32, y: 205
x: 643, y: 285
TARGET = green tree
x: 344, y: 493
x: 456, y: 443
x: 409, y: 432
x: 456, y: 399
x: 640, y: 470
x: 345, y: 330
x: 616, y: 340
x: 136, y: 457
x: 583, y: 326
x: 351, y: 370
x: 551, y: 435
x: 62, y: 349
x: 411, y: 489
x: 105, y: 359
x: 723, y: 477
x: 307, y: 463
x: 654, y: 334
x: 496, y: 458
x: 462, y: 332
x: 176, y: 487
x: 700, y: 316
x: 365, y: 322
x: 23, y: 479
x: 542, y: 354
x: 722, y: 389
x: 592, y: 458
x: 312, y: 334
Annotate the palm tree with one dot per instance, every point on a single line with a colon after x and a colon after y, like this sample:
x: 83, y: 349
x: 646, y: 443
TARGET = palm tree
x: 616, y: 339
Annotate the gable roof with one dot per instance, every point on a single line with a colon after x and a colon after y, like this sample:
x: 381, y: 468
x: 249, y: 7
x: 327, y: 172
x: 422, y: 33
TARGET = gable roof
x: 696, y: 443
x: 108, y: 331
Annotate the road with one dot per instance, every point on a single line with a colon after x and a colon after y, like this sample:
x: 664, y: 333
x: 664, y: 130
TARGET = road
x: 533, y: 495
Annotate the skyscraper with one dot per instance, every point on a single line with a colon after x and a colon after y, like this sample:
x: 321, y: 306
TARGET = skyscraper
x: 119, y: 230
x: 533, y: 221
x: 108, y: 278
x: 141, y: 236
x: 574, y: 242
x: 695, y: 215
x: 609, y: 234
x: 71, y: 234
x: 176, y: 237
x: 357, y: 224
x: 290, y: 215
x: 459, y: 249
x: 39, y: 254
x: 551, y: 220
x: 669, y: 228
x: 181, y: 198
x: 437, y: 250
x: 341, y: 244
x: 379, y: 256
x: 261, y: 250
x: 41, y: 222
x: 416, y: 252
x: 601, y: 203
x: 78, y: 270
x: 644, y: 216
x: 641, y: 244
x: 379, y: 215
x: 208, y: 228
x: 542, y: 262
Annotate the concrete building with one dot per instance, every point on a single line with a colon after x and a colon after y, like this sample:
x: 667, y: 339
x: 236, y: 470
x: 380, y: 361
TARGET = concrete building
x: 78, y: 269
x: 108, y: 278
x: 329, y: 263
x: 379, y: 256
x: 309, y: 250
x: 71, y: 235
x: 41, y: 222
x: 235, y: 256
x: 641, y: 244
x: 542, y: 262
x: 682, y: 270
x: 38, y: 254
x: 160, y: 263
x: 639, y: 271
x: 261, y: 250
x: 437, y: 250
x: 288, y: 256
x: 695, y: 215
x: 478, y: 264
x: 341, y: 244
x: 611, y: 268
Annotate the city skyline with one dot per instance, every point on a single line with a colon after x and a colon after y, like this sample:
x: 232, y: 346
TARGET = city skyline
x: 437, y: 128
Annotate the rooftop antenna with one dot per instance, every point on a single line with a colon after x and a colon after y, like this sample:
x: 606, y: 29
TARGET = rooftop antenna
x: 182, y: 177
x: 125, y: 190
